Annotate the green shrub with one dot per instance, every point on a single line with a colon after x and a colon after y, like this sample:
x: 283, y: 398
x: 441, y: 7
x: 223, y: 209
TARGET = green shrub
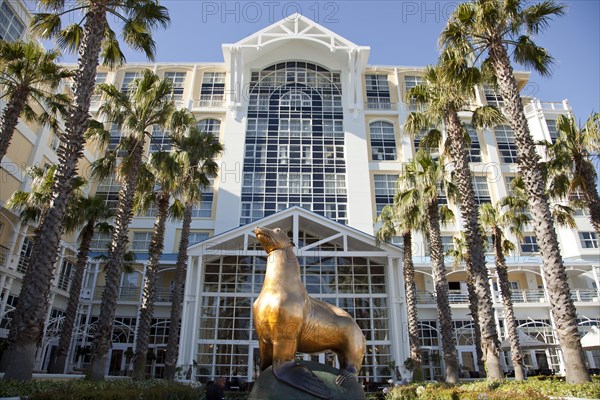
x: 236, y: 395
x: 102, y: 390
x: 532, y: 389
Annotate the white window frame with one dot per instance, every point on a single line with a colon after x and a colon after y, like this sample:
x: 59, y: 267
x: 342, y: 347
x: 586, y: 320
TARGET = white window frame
x: 505, y: 140
x: 588, y: 240
x: 141, y: 241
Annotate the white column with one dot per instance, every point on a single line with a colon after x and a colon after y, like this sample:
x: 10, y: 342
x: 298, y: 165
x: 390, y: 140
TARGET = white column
x: 351, y: 95
x: 553, y: 324
x: 398, y: 313
x: 15, y: 253
x: 596, y: 279
x: 198, y: 281
x: 192, y: 87
x: 58, y: 264
x: 239, y: 88
x: 232, y: 72
x: 139, y: 310
x: 5, y: 290
x: 39, y: 355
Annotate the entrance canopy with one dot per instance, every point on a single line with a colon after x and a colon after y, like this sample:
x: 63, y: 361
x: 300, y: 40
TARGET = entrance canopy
x: 527, y: 342
x: 591, y: 340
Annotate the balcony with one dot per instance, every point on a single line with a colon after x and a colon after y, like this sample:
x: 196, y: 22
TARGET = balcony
x: 536, y: 105
x: 526, y: 296
x: 458, y: 297
x: 584, y: 295
x: 209, y: 102
x: 522, y: 296
x: 163, y: 294
x: 424, y: 297
x: 125, y: 293
x: 4, y: 255
x: 454, y: 297
x: 380, y: 104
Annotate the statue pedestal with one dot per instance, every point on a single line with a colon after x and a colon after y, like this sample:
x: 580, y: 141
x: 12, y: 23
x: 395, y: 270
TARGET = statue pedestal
x: 267, y: 387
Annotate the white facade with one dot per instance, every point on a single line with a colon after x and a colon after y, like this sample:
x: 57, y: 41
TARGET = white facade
x: 302, y: 106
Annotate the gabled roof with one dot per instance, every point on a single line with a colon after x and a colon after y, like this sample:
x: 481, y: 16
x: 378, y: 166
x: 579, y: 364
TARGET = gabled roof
x: 295, y: 26
x: 294, y: 219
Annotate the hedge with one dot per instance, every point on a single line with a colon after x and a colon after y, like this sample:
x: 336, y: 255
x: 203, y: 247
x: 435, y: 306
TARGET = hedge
x: 531, y: 389
x: 101, y: 390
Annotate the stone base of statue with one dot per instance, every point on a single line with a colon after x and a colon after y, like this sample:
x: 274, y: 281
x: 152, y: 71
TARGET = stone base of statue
x: 267, y: 387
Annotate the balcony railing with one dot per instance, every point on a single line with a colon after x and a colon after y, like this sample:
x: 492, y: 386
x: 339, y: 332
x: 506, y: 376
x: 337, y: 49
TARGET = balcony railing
x: 63, y: 282
x: 537, y: 105
x: 584, y: 295
x: 3, y: 255
x: 163, y: 295
x: 380, y: 104
x: 458, y: 297
x: 527, y: 296
x: 23, y: 264
x: 209, y: 102
x: 424, y: 297
x: 125, y: 293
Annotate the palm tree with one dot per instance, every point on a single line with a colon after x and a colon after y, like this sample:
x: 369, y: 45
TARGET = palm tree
x: 165, y: 172
x: 91, y: 212
x: 570, y: 166
x: 139, y: 18
x: 145, y: 104
x: 494, y: 27
x: 422, y: 180
x: 391, y: 219
x: 404, y: 217
x: 27, y: 73
x: 447, y: 89
x: 33, y: 206
x: 460, y: 253
x: 196, y: 153
x: 506, y: 214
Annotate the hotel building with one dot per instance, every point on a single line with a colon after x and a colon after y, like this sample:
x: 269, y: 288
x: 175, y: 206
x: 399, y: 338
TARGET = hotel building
x: 313, y: 144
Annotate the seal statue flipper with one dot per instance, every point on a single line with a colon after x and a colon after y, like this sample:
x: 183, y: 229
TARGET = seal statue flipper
x: 344, y: 377
x: 294, y: 374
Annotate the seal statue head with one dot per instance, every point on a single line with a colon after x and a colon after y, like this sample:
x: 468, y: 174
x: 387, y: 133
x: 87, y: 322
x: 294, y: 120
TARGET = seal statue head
x: 272, y: 239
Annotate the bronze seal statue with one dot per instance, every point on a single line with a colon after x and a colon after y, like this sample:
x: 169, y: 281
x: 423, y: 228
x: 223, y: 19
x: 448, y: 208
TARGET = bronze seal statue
x: 287, y: 321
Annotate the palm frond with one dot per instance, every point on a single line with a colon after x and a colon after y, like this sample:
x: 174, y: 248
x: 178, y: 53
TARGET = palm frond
x: 538, y: 16
x: 527, y: 53
x: 487, y: 117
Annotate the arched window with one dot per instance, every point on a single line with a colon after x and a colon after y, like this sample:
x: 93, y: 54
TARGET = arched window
x: 295, y: 99
x: 210, y: 125
x: 383, y: 141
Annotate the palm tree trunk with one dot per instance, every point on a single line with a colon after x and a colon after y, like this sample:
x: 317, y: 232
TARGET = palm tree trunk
x: 441, y: 294
x: 563, y: 309
x: 410, y: 288
x: 490, y: 345
x: 10, y: 119
x: 28, y: 324
x: 74, y: 291
x: 149, y: 294
x: 474, y: 314
x: 586, y: 170
x: 120, y: 240
x: 509, y: 314
x: 176, y: 302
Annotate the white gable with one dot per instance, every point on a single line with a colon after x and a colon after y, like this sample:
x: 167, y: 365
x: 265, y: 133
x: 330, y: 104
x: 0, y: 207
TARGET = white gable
x: 294, y: 220
x: 295, y: 26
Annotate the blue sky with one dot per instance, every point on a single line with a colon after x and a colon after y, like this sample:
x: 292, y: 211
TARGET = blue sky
x: 398, y: 32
